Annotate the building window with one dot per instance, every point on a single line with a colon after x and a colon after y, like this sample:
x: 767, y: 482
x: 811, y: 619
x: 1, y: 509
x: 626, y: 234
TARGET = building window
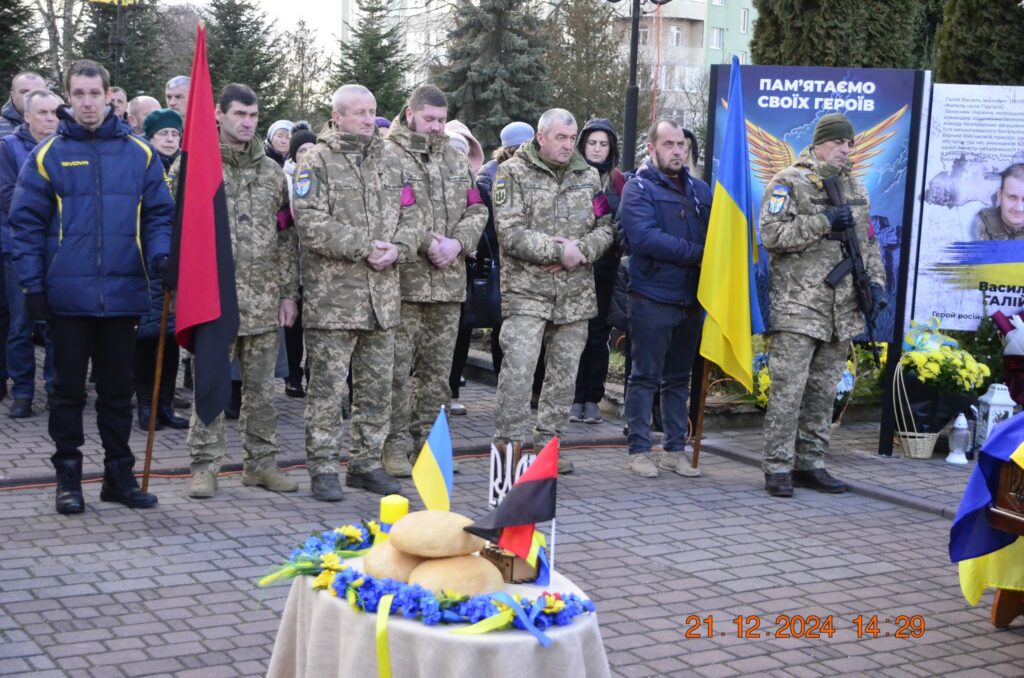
x: 744, y: 20
x: 676, y: 36
x: 718, y: 2
x: 717, y: 38
x: 644, y: 33
x: 742, y: 56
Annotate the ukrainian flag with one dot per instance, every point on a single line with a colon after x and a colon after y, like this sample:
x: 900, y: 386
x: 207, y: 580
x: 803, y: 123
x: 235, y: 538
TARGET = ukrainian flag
x: 726, y: 289
x: 432, y: 474
x: 988, y: 557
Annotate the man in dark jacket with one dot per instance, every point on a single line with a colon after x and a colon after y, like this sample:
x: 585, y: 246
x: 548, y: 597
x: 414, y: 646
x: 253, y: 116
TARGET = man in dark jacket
x: 91, y: 210
x: 40, y: 122
x: 11, y: 115
x: 664, y: 215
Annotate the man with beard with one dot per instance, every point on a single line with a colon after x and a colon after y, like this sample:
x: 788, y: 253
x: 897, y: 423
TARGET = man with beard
x: 451, y: 218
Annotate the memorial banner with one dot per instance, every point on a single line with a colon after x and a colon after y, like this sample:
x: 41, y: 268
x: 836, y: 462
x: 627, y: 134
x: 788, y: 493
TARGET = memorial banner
x: 783, y: 104
x: 969, y: 248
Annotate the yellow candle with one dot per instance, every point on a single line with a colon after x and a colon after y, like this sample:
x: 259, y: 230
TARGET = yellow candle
x: 392, y: 507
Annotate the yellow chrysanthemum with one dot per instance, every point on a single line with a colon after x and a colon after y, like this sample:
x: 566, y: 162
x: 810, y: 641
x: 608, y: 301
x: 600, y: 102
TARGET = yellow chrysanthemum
x: 325, y: 580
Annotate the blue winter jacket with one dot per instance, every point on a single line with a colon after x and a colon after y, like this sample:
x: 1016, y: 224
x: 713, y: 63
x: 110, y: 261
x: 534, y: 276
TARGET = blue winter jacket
x: 14, y: 151
x: 664, y: 231
x: 90, y: 210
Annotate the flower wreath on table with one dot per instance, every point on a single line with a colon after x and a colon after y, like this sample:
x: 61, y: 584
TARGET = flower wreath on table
x: 322, y: 556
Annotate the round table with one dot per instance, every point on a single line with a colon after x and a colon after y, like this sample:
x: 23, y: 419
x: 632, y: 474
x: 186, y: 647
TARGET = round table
x: 322, y: 636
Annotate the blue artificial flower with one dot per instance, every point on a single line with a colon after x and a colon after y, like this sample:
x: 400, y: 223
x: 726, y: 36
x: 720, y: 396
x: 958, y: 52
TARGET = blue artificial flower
x: 845, y: 384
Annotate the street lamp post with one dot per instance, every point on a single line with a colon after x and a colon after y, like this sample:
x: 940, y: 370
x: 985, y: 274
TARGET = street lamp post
x: 632, y: 89
x: 117, y: 38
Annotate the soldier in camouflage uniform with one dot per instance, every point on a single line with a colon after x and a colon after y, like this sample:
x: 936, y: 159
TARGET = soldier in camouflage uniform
x: 267, y: 281
x: 811, y: 324
x: 1006, y: 221
x: 552, y: 222
x: 450, y: 218
x: 347, y: 207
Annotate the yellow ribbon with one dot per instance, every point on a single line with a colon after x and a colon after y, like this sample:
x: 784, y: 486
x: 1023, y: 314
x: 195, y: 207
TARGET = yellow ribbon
x: 383, y: 612
x: 492, y: 623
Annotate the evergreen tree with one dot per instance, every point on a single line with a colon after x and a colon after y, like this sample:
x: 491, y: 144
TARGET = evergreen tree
x: 20, y: 45
x: 177, y: 44
x: 243, y: 48
x: 140, y: 65
x: 586, y: 67
x: 847, y: 33
x: 496, y: 70
x: 979, y: 43
x: 374, y: 58
x: 929, y: 17
x: 305, y: 92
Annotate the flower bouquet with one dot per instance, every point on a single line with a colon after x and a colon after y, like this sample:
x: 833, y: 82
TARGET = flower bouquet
x: 935, y: 380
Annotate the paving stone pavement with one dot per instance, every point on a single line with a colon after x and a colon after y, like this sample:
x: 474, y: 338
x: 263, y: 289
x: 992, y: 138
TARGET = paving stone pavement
x: 169, y: 591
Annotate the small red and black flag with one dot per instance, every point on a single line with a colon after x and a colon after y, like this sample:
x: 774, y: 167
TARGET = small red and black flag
x: 202, y: 266
x: 531, y: 500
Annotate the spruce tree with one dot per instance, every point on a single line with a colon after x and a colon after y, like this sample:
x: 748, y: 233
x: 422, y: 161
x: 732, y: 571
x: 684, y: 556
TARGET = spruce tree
x: 242, y: 47
x: 140, y: 69
x: 586, y: 67
x: 845, y: 33
x: 373, y: 58
x: 979, y: 43
x: 496, y: 71
x: 19, y: 51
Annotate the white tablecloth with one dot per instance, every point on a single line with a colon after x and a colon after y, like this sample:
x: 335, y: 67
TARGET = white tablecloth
x: 321, y: 636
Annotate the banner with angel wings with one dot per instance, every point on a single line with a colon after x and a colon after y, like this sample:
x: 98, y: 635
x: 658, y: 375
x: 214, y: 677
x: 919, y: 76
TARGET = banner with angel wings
x: 783, y: 104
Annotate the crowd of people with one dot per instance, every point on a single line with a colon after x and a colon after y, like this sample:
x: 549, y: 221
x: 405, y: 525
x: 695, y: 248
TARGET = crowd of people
x: 354, y: 247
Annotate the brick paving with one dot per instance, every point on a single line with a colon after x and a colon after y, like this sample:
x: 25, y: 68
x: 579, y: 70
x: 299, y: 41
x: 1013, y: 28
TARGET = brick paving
x: 170, y: 591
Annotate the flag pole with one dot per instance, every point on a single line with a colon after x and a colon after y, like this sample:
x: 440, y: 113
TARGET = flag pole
x: 701, y: 399
x: 158, y: 373
x: 552, y: 563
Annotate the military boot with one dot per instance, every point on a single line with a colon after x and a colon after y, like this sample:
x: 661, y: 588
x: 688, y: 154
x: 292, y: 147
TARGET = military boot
x: 270, y: 478
x: 396, y: 462
x: 69, y: 486
x: 818, y: 479
x: 376, y: 481
x: 778, y: 484
x: 203, y: 484
x: 120, y: 485
x: 326, y: 487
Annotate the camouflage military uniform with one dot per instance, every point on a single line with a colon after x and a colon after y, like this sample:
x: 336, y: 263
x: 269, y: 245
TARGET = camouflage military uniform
x: 811, y: 323
x: 266, y: 271
x: 532, y: 206
x: 345, y: 198
x: 989, y: 225
x: 447, y: 202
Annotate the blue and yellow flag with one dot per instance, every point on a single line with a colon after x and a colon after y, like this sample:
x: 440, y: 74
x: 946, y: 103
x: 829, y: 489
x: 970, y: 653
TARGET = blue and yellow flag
x: 988, y: 557
x: 726, y: 289
x: 432, y: 474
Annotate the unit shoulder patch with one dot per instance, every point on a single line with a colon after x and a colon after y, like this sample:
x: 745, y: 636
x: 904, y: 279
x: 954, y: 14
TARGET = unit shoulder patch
x: 303, y: 182
x: 777, y: 201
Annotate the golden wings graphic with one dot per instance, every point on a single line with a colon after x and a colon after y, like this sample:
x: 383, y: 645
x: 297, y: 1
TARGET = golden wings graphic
x: 770, y: 155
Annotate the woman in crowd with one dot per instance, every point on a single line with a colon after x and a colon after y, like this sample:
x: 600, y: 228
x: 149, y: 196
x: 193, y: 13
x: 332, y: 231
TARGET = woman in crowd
x: 278, y: 138
x: 600, y: 148
x: 162, y: 128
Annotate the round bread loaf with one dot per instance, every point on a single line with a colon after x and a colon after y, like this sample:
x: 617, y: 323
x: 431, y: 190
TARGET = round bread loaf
x: 434, y: 534
x: 384, y: 560
x: 466, y: 575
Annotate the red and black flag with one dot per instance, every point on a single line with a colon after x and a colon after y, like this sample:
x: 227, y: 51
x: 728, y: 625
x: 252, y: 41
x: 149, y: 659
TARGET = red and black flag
x: 202, y: 266
x: 531, y: 500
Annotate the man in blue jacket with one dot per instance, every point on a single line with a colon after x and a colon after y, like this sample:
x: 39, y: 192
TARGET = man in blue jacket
x: 91, y: 209
x: 664, y: 216
x: 40, y: 110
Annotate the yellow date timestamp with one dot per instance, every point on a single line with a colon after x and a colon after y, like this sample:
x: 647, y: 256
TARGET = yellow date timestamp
x: 805, y: 626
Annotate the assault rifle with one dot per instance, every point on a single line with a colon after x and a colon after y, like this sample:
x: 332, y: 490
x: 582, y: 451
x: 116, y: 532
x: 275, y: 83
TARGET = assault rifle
x: 853, y: 263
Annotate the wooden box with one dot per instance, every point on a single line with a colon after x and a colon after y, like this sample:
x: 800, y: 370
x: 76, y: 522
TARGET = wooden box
x: 514, y: 570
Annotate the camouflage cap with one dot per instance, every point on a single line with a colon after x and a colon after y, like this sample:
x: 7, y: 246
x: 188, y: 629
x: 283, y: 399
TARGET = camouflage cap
x: 831, y: 127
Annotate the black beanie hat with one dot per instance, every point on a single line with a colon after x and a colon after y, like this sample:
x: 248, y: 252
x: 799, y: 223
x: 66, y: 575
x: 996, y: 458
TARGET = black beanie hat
x: 831, y: 127
x: 300, y: 137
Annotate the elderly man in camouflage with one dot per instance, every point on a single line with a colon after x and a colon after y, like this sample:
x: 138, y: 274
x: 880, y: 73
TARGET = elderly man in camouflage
x: 552, y: 223
x: 811, y: 323
x: 451, y: 216
x: 267, y: 281
x: 347, y: 206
